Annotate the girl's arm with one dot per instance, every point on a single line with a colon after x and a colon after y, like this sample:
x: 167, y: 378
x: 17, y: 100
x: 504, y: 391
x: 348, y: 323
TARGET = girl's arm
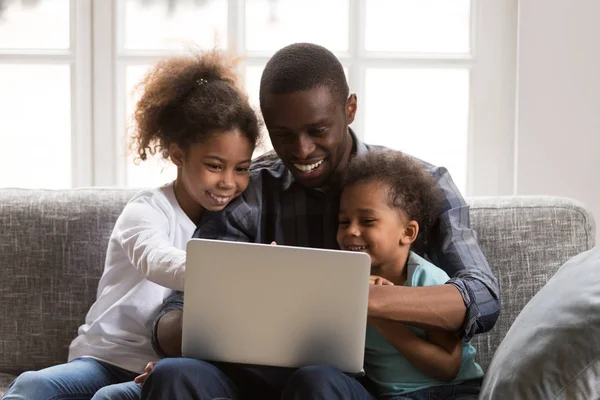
x: 439, y: 357
x: 142, y: 230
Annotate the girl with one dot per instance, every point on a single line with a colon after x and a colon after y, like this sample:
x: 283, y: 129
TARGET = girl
x: 193, y: 112
x: 387, y: 204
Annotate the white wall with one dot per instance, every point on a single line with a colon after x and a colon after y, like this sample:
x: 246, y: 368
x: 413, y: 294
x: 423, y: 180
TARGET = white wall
x: 558, y: 100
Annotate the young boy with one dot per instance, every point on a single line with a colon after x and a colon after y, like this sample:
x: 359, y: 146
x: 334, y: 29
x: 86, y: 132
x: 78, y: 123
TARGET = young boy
x: 387, y: 206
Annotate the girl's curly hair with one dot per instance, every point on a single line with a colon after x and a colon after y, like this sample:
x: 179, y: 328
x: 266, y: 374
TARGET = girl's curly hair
x: 187, y: 98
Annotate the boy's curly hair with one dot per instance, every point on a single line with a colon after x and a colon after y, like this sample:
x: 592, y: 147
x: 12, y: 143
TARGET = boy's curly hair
x: 410, y: 188
x: 187, y: 98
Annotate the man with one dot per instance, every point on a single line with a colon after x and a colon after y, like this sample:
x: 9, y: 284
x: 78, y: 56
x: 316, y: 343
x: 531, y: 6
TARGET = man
x: 292, y: 199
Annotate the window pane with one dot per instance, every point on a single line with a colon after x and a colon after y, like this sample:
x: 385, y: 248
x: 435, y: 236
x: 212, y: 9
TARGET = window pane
x: 423, y: 112
x: 271, y: 25
x: 252, y: 85
x: 155, y: 171
x: 35, y: 126
x: 174, y: 24
x: 41, y: 24
x: 427, y: 26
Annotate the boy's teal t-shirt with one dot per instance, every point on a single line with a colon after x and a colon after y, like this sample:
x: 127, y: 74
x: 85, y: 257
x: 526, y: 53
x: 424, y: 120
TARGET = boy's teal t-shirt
x: 390, y: 371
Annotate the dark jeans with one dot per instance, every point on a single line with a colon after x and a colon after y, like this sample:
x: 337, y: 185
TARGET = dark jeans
x: 184, y: 378
x: 468, y: 390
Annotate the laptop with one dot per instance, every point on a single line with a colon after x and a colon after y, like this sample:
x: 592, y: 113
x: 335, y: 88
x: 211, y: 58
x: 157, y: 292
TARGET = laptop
x: 274, y: 305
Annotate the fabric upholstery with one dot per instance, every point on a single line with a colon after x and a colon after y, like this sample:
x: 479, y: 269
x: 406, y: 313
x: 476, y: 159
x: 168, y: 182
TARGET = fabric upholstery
x: 52, y: 249
x: 5, y: 380
x: 53, y: 244
x: 525, y: 239
x: 552, y: 351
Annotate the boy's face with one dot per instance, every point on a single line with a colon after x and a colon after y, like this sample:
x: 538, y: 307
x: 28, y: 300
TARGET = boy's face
x: 309, y: 132
x: 368, y: 224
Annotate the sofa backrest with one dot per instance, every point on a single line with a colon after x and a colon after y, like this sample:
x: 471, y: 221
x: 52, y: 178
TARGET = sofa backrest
x: 525, y: 240
x: 53, y: 244
x: 52, y: 250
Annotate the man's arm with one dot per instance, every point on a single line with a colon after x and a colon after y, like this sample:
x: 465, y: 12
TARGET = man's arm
x: 430, y: 307
x: 469, y: 302
x: 166, y: 329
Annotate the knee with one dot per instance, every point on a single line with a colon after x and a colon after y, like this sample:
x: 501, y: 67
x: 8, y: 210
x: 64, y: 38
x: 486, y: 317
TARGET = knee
x: 312, y: 380
x: 30, y: 385
x: 176, y: 371
x: 127, y: 391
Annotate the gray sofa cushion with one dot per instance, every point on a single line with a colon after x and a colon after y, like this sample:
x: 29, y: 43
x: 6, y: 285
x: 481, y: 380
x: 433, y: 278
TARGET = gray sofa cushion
x: 526, y: 240
x: 5, y: 380
x: 52, y: 249
x: 552, y: 351
x: 53, y: 244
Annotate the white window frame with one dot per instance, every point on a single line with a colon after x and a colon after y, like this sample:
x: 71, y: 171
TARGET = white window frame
x: 78, y: 57
x: 492, y: 65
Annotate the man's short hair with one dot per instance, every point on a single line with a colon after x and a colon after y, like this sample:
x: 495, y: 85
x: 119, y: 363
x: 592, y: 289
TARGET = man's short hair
x: 303, y: 66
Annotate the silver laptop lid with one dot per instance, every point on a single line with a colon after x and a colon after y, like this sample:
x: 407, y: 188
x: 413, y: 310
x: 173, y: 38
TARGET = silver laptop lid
x: 275, y: 305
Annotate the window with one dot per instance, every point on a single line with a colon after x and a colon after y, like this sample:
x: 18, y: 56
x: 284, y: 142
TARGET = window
x: 44, y: 74
x: 417, y: 66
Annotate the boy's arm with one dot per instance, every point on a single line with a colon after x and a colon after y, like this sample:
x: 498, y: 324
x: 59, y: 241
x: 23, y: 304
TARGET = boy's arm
x: 439, y: 357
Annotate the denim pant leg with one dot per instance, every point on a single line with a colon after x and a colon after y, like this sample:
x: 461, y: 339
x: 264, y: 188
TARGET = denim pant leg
x: 79, y: 379
x: 323, y: 383
x: 120, y: 391
x: 186, y: 378
x: 468, y: 390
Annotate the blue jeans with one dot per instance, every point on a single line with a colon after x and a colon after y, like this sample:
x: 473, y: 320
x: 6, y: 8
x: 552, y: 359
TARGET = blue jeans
x: 184, y: 378
x: 80, y: 379
x: 468, y: 390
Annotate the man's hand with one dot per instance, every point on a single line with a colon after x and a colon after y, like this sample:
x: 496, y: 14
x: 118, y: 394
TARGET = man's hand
x: 142, y: 378
x: 378, y: 280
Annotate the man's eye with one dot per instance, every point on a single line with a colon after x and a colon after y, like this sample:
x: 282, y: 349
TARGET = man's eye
x: 243, y: 169
x: 214, y: 167
x: 319, y: 131
x: 342, y: 222
x: 368, y: 221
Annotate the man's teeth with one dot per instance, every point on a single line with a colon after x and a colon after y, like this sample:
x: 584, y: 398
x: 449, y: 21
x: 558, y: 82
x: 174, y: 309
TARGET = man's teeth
x: 356, y: 248
x: 308, y: 168
x: 219, y: 199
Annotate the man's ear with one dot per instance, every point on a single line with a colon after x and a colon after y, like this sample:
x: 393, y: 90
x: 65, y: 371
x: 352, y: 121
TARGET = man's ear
x: 411, y: 231
x: 176, y: 154
x: 351, y: 105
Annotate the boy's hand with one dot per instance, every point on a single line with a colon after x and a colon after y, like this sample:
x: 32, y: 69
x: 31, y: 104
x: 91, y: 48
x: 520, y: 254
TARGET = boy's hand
x: 142, y: 378
x: 378, y: 280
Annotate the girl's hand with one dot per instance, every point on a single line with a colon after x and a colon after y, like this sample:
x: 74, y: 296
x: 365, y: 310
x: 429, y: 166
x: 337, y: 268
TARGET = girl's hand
x: 378, y: 280
x: 142, y: 378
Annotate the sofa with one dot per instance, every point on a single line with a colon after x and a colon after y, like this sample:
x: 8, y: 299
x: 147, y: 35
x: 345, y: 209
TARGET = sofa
x: 53, y: 244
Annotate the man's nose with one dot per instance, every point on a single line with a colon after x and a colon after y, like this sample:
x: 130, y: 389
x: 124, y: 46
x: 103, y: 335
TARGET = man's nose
x: 303, y: 147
